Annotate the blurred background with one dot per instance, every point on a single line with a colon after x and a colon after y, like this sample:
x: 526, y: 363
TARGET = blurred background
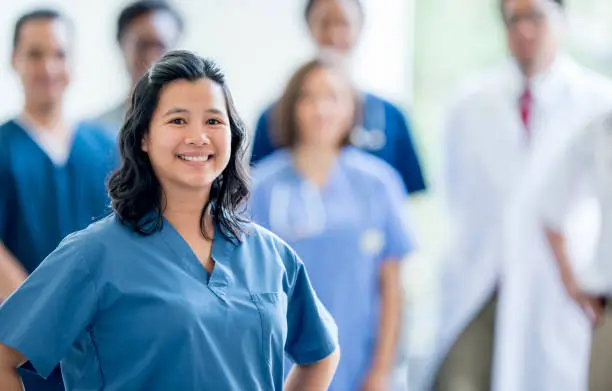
x: 413, y: 52
x: 258, y: 43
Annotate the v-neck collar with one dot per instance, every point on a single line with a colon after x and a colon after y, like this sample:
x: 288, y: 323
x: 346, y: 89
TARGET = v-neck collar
x: 32, y: 134
x: 221, y: 276
x: 332, y: 174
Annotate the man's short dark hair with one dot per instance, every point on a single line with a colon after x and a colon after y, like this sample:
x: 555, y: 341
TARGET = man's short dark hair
x: 144, y: 7
x: 310, y: 5
x: 561, y: 3
x: 37, y: 14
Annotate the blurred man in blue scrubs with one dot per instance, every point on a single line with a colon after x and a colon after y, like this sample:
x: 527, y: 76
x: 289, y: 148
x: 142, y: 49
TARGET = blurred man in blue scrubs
x: 52, y: 171
x: 335, y: 26
x: 146, y: 30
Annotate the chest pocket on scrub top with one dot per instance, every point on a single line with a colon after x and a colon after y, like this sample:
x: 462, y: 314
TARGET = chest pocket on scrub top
x: 272, y: 308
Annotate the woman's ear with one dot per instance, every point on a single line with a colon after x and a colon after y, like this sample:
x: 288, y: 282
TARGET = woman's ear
x: 144, y: 143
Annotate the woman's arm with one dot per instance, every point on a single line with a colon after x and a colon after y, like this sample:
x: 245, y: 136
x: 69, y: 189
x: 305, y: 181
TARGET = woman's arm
x: 388, y: 326
x: 12, y: 273
x: 10, y: 360
x: 313, y: 377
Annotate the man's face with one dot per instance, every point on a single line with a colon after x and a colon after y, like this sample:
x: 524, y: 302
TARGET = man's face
x: 41, y: 60
x: 335, y: 25
x: 146, y: 39
x: 532, y: 28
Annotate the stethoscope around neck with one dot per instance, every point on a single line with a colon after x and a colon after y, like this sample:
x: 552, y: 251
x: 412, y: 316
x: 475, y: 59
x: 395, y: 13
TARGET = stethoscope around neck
x: 375, y: 138
x: 312, y: 217
x: 309, y: 221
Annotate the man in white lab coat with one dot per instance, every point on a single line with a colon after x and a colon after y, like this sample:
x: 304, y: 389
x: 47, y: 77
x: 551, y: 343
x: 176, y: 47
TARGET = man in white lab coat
x: 500, y: 301
x: 586, y: 160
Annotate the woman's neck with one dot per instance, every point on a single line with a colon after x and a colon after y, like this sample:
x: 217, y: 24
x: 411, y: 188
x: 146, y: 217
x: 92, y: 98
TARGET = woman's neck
x: 315, y: 162
x: 184, y: 210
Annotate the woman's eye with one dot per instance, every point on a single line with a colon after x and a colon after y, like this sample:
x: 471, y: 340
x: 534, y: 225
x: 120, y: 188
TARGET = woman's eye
x: 178, y: 121
x: 213, y: 121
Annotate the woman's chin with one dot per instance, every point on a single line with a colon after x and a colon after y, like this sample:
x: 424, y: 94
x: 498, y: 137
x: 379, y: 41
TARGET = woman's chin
x: 198, y: 184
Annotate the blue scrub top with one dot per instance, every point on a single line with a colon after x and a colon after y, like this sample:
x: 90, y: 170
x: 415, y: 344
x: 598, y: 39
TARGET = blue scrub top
x: 125, y: 312
x: 385, y: 133
x: 40, y: 202
x: 344, y: 233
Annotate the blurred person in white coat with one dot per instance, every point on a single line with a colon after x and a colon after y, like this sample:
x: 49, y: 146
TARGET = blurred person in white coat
x: 586, y: 164
x: 500, y: 301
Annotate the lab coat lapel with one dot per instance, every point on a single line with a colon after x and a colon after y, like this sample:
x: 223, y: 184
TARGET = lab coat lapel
x: 505, y: 146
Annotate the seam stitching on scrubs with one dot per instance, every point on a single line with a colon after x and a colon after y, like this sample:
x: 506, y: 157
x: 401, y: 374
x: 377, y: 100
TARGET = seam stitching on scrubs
x: 91, y: 325
x: 95, y: 345
x: 255, y: 300
x: 90, y: 280
x: 295, y: 276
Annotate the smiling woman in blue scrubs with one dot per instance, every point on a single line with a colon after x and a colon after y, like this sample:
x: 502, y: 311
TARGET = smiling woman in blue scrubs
x: 175, y: 290
x: 335, y: 26
x: 340, y: 209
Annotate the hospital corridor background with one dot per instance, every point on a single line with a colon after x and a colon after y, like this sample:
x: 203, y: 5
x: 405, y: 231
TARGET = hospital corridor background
x: 457, y: 164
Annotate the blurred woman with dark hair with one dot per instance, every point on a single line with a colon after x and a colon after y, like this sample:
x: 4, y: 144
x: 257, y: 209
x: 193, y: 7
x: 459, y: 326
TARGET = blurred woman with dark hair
x: 175, y: 290
x: 340, y: 208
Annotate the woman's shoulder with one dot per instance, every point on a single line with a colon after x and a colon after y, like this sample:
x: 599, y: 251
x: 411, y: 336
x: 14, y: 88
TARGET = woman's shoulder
x: 369, y: 168
x: 270, y: 255
x: 99, y: 237
x: 265, y: 240
x: 271, y: 166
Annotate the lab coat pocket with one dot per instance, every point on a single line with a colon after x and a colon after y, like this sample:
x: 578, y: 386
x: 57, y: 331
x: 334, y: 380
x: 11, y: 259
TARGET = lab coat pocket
x: 272, y: 308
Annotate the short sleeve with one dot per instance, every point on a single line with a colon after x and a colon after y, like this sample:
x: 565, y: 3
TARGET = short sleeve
x: 312, y: 333
x: 407, y: 160
x: 262, y: 141
x: 57, y: 302
x: 399, y: 238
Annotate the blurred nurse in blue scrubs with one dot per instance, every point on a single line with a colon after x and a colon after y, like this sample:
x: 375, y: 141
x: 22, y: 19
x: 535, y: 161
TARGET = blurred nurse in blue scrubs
x: 335, y: 26
x: 52, y: 170
x: 340, y: 209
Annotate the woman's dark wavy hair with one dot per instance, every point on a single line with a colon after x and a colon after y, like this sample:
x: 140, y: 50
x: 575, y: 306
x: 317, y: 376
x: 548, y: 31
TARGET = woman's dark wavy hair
x: 137, y: 196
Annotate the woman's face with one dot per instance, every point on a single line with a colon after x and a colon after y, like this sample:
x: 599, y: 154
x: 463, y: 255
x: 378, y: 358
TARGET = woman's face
x: 189, y: 138
x: 325, y: 108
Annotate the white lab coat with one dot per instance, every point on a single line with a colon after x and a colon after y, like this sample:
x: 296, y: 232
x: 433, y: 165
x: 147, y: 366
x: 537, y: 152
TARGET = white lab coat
x: 586, y: 171
x: 493, y: 175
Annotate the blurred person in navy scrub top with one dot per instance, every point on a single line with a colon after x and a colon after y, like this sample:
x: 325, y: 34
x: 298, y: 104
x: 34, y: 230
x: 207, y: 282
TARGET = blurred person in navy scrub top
x: 335, y: 26
x: 145, y: 31
x: 340, y: 209
x: 52, y: 171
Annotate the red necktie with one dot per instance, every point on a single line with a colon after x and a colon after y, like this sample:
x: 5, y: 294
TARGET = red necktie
x: 525, y: 103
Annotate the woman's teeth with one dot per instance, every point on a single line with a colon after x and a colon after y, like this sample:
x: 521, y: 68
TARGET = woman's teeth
x: 194, y: 158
